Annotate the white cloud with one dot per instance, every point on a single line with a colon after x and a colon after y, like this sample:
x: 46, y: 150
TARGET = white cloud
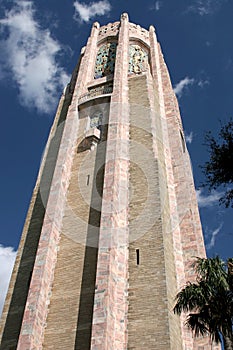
x: 84, y: 12
x: 7, y: 259
x: 186, y: 82
x: 157, y: 6
x: 189, y: 137
x: 29, y: 54
x: 208, y: 200
x: 205, y: 7
x: 213, y: 237
x: 182, y: 85
x: 202, y: 83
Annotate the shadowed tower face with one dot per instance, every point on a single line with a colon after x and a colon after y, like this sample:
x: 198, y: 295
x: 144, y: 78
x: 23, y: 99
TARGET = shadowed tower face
x: 113, y: 223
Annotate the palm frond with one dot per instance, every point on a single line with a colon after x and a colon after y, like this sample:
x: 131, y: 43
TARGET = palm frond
x: 209, y: 301
x: 189, y: 298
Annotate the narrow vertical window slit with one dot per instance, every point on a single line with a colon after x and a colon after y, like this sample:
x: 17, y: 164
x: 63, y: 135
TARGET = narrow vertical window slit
x: 137, y: 256
x: 182, y: 141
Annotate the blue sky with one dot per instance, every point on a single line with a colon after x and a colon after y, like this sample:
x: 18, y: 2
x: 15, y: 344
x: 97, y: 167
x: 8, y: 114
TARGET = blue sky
x: 40, y: 42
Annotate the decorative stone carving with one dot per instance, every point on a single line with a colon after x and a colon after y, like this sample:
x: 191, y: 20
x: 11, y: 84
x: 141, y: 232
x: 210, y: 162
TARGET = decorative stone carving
x: 110, y: 29
x: 96, y: 120
x: 105, y: 60
x: 138, y: 59
x: 139, y: 32
x: 125, y: 16
x: 96, y: 25
x: 96, y: 91
x: 92, y: 138
x: 101, y: 90
x: 152, y: 28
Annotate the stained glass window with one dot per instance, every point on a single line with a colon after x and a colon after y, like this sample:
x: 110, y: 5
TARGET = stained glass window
x: 105, y: 60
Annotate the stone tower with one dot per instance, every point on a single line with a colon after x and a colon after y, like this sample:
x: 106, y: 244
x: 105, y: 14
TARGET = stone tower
x: 113, y: 223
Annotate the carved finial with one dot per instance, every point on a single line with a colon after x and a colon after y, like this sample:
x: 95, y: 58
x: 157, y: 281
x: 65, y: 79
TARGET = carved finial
x: 152, y: 32
x: 124, y: 16
x: 152, y: 28
x: 95, y: 29
x: 96, y: 25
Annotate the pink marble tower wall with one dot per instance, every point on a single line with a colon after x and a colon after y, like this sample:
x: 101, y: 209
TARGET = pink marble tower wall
x: 36, y: 310
x: 17, y: 292
x: 109, y: 329
x: 178, y: 228
x: 190, y: 241
x: 28, y: 333
x: 152, y: 212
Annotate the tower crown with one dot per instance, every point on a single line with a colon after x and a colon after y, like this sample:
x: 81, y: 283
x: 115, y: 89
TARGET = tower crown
x: 135, y: 30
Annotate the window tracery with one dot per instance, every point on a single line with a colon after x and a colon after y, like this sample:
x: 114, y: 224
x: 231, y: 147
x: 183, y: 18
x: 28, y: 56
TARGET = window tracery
x: 105, y: 60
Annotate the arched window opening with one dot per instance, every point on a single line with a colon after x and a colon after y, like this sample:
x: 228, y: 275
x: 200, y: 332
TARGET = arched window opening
x: 105, y: 60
